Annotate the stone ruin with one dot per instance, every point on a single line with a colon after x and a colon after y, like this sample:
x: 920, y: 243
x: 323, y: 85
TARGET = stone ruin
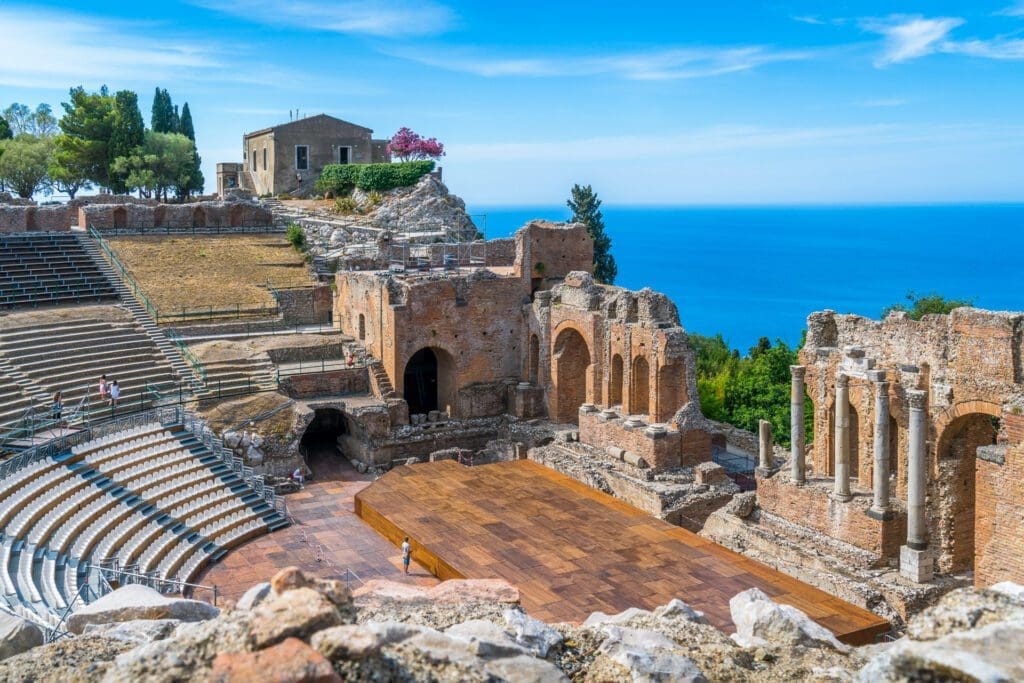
x: 215, y: 214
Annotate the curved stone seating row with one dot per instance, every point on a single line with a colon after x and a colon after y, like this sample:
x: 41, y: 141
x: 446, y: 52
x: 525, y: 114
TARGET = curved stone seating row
x: 152, y: 497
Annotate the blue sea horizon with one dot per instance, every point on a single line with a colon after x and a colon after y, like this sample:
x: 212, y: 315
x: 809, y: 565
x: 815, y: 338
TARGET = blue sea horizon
x: 758, y: 271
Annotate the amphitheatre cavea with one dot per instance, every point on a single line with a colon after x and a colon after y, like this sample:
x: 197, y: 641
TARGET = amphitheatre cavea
x: 343, y: 403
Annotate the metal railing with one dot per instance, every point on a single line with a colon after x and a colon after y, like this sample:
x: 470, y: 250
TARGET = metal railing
x: 195, y: 230
x: 186, y: 353
x: 311, y: 367
x: 110, y: 573
x: 126, y: 276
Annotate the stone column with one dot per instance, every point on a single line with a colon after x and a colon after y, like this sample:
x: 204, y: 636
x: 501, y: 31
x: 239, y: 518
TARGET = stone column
x: 915, y: 560
x: 841, y: 490
x: 880, y: 505
x: 764, y: 451
x: 796, y: 425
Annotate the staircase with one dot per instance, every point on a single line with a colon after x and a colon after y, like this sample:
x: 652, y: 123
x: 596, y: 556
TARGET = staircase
x: 236, y: 377
x: 179, y: 366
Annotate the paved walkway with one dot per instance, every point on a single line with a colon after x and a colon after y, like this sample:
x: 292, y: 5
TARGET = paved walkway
x: 326, y: 539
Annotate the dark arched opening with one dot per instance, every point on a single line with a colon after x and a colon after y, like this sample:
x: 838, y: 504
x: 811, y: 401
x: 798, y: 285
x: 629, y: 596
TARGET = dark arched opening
x: 235, y: 217
x: 428, y: 381
x: 198, y: 218
x: 534, y: 357
x: 362, y: 327
x: 615, y: 388
x: 571, y: 367
x: 640, y: 387
x: 320, y: 440
x: 120, y: 217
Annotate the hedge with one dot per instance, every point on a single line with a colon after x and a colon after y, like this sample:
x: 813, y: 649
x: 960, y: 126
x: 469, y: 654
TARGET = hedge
x: 340, y: 179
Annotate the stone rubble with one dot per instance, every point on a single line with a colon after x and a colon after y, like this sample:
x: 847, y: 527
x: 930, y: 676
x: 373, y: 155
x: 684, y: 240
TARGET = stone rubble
x: 300, y: 628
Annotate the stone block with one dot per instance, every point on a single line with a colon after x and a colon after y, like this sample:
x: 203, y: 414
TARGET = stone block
x: 917, y: 565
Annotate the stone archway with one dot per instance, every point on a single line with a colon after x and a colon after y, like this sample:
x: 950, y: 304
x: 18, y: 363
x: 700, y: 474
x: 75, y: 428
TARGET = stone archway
x: 120, y: 217
x: 571, y: 360
x: 428, y: 382
x: 956, y: 481
x: 198, y: 217
x: 615, y: 383
x: 235, y: 217
x: 640, y: 387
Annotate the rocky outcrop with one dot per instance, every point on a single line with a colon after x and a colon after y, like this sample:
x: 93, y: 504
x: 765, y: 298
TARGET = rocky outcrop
x: 303, y: 628
x: 136, y: 601
x: 17, y: 635
x: 427, y: 206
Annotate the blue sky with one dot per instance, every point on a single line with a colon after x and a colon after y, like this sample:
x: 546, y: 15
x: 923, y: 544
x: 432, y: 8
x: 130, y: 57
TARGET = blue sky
x: 653, y: 103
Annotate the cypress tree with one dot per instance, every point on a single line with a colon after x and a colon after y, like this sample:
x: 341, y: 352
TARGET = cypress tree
x: 127, y: 133
x: 175, y: 118
x: 586, y: 209
x: 162, y: 120
x: 185, y: 127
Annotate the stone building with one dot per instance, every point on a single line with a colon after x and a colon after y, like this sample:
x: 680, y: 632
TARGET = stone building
x: 290, y: 156
x: 917, y: 455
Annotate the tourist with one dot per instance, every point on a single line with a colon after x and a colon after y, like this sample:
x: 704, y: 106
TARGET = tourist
x: 406, y: 554
x: 298, y: 477
x: 103, y: 387
x: 58, y: 407
x: 115, y: 393
x: 351, y: 359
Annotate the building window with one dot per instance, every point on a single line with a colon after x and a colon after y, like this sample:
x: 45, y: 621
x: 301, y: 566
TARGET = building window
x: 264, y: 158
x: 252, y: 156
x: 343, y: 153
x: 301, y: 157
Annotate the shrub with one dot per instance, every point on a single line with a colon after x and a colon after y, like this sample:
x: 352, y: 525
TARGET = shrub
x: 341, y: 179
x: 296, y: 237
x: 345, y: 205
x: 374, y: 198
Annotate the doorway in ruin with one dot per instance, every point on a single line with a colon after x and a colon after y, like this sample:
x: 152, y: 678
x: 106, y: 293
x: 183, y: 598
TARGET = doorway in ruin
x: 615, y: 389
x: 320, y: 441
x: 957, y: 467
x: 428, y: 381
x: 235, y: 217
x: 572, y: 364
x: 534, y: 358
x: 640, y: 387
x: 199, y: 218
x: 120, y: 217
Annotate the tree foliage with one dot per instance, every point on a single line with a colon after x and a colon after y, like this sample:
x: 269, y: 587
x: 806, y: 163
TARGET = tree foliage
x: 743, y: 390
x: 919, y: 305
x: 586, y: 209
x: 65, y: 174
x: 127, y: 132
x: 21, y: 119
x: 340, y: 179
x: 25, y: 162
x: 162, y: 113
x: 187, y: 129
x: 5, y: 129
x: 165, y: 161
x: 87, y: 124
x: 409, y: 145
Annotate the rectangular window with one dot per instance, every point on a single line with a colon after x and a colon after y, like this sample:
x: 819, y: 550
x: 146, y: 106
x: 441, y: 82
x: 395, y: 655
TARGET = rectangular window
x: 301, y: 157
x: 343, y: 155
x: 264, y: 158
x: 252, y: 156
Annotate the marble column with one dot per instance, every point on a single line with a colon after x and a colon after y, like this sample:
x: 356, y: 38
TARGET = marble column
x: 764, y: 451
x: 841, y: 490
x: 796, y: 425
x: 880, y: 505
x: 915, y: 561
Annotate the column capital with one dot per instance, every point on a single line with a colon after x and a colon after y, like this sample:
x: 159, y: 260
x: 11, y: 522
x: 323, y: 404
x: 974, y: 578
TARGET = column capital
x: 842, y: 380
x: 798, y: 371
x: 882, y: 387
x: 918, y: 399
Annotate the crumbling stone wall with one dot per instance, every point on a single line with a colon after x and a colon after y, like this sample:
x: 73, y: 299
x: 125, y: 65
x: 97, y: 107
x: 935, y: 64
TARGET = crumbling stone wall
x: 192, y: 215
x: 331, y: 383
x: 305, y: 305
x: 31, y: 218
x: 970, y: 363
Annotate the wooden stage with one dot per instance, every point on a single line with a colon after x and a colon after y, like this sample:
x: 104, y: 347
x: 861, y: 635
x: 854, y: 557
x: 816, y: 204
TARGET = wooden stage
x: 573, y: 550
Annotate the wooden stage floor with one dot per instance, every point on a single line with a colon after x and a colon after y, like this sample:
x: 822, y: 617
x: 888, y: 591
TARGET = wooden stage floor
x: 573, y: 550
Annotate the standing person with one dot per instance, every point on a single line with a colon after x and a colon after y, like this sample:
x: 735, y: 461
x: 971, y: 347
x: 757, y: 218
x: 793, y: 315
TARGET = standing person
x: 58, y: 407
x: 115, y: 393
x: 406, y: 554
x: 103, y: 387
x: 297, y: 476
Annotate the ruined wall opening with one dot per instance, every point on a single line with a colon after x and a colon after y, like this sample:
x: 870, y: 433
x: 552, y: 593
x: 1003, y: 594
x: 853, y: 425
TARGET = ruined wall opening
x: 320, y: 440
x: 198, y: 218
x: 572, y: 362
x: 235, y: 217
x: 120, y: 217
x: 894, y: 449
x: 362, y: 327
x: 853, y: 439
x: 429, y: 381
x: 615, y: 390
x: 534, y: 365
x: 957, y: 451
x: 640, y: 387
x: 671, y: 391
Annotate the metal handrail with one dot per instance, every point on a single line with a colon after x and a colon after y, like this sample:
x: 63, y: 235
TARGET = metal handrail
x: 126, y: 275
x: 187, y: 354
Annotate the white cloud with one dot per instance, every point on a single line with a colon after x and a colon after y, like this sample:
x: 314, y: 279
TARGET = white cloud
x: 1014, y: 10
x: 655, y: 65
x: 908, y: 38
x: 383, y: 19
x: 997, y: 48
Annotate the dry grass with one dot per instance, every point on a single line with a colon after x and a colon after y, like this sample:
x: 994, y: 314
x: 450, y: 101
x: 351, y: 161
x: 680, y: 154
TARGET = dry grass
x: 220, y: 271
x: 232, y: 412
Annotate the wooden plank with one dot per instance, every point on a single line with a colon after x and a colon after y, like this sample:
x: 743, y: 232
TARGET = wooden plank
x: 572, y: 550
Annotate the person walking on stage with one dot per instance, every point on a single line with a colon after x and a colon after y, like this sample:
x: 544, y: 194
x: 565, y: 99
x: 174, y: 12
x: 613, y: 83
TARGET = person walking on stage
x: 115, y: 393
x: 406, y: 554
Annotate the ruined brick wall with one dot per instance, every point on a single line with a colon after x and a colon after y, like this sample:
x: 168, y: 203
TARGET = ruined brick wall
x: 196, y: 214
x: 30, y: 218
x: 548, y: 251
x: 660, y: 450
x: 305, y: 305
x: 333, y: 383
x: 999, y: 498
x: 970, y: 363
x: 15, y: 218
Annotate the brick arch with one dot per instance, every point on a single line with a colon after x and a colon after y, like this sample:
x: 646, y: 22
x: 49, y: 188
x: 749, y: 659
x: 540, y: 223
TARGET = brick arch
x: 615, y: 381
x: 198, y: 217
x: 571, y: 368
x: 640, y: 386
x: 429, y: 380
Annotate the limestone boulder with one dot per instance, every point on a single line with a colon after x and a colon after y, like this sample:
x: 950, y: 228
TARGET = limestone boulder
x: 760, y: 621
x: 677, y: 609
x: 299, y: 612
x: 134, y: 602
x: 1009, y: 589
x: 964, y: 609
x: 290, y: 661
x: 742, y: 504
x: 348, y: 642
x: 649, y: 656
x: 486, y: 639
x: 533, y: 634
x: 17, y: 635
x: 232, y: 439
x: 990, y: 654
x: 138, y: 631
x: 600, y: 618
x: 259, y: 593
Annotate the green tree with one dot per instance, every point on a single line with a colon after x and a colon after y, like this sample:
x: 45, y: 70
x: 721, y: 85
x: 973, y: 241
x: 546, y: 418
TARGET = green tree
x: 25, y: 163
x: 760, y: 389
x: 586, y: 209
x: 164, y: 118
x: 38, y: 122
x: 5, y: 129
x: 127, y: 132
x: 163, y: 162
x: 919, y: 305
x: 65, y: 175
x: 87, y: 125
x: 189, y: 131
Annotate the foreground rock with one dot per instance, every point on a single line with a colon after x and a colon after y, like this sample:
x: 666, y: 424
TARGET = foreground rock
x: 761, y: 621
x: 17, y: 635
x: 134, y: 601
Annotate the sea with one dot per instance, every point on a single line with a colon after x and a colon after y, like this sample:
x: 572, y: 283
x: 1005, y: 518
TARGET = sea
x: 749, y: 272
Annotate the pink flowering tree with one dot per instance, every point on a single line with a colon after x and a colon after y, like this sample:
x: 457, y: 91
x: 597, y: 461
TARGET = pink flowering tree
x: 409, y: 145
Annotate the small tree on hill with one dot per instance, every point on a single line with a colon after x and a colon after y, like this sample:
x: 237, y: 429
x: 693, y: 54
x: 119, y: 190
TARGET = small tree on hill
x: 25, y: 162
x: 924, y: 304
x: 586, y: 209
x: 409, y: 145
